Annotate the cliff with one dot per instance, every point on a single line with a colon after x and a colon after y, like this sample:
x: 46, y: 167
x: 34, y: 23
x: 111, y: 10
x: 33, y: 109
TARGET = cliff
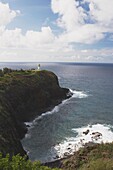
x: 23, y: 96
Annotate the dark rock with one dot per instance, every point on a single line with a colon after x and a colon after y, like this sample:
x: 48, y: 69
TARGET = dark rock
x: 68, y: 148
x: 86, y: 132
x: 96, y: 135
x: 57, y: 156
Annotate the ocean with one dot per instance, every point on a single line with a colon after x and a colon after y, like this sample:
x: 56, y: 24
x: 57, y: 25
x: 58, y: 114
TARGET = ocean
x: 59, y: 132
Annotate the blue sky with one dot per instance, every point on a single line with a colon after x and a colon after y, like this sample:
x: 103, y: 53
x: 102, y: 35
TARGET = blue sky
x: 56, y: 30
x: 33, y: 13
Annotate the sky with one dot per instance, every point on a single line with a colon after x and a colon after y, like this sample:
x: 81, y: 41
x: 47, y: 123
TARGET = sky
x: 56, y: 31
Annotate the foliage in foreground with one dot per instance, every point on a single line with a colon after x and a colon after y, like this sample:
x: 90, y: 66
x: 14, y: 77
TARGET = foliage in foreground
x: 20, y: 163
x: 97, y: 157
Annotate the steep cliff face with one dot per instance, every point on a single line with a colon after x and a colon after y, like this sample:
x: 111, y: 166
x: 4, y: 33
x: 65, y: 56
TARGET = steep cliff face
x: 9, y: 136
x: 23, y: 96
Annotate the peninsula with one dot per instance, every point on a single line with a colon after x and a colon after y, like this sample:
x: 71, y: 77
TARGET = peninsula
x: 24, y: 95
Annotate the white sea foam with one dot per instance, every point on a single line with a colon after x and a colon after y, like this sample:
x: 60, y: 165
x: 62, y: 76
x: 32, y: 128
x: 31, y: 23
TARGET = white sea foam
x: 98, y: 133
x: 28, y: 123
x: 78, y: 94
x: 54, y: 110
x: 59, y: 77
x: 27, y: 135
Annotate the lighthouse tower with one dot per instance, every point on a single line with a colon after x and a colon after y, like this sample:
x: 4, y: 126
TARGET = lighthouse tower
x: 38, y: 67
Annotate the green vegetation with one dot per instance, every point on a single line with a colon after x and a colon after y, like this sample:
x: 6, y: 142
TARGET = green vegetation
x: 25, y: 94
x: 20, y: 163
x: 1, y: 73
x: 96, y: 157
x: 99, y: 164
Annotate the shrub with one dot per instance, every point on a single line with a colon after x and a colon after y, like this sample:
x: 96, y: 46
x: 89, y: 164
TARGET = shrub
x: 7, y: 70
x: 1, y: 73
x: 99, y: 164
x: 20, y: 163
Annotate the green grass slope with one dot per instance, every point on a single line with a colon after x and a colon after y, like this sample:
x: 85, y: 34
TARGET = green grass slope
x: 95, y: 157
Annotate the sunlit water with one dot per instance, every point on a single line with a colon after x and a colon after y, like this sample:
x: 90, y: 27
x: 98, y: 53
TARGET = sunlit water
x: 60, y: 131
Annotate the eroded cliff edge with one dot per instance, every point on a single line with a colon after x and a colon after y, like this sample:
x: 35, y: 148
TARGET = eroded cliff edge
x: 23, y: 96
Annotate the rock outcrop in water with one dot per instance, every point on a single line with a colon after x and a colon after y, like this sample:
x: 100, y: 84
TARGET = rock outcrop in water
x: 23, y: 96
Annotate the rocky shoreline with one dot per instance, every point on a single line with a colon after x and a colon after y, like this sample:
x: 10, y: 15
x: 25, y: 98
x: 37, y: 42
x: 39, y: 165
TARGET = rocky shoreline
x: 24, y: 95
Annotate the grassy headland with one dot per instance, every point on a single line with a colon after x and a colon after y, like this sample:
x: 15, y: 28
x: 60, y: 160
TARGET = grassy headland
x: 24, y: 95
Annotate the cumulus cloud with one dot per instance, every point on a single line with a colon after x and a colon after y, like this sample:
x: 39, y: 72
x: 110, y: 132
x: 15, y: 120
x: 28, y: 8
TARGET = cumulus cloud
x: 11, y: 38
x: 32, y: 39
x: 70, y: 15
x: 6, y: 14
x: 101, y: 11
x: 35, y: 38
x: 15, y: 38
x: 85, y: 22
x: 81, y: 24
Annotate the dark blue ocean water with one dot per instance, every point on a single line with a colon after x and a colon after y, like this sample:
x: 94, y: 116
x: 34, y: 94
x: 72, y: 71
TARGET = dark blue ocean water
x: 92, y: 104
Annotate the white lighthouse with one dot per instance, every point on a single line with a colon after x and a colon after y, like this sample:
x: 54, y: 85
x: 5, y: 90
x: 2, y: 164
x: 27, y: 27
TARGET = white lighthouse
x: 38, y: 67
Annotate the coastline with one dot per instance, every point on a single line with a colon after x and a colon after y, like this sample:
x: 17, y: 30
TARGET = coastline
x: 92, y: 155
x: 87, y: 135
x: 24, y: 96
x: 82, y: 157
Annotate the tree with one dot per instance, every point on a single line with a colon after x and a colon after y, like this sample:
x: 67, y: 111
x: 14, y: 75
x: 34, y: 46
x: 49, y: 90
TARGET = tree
x: 6, y: 70
x: 1, y: 73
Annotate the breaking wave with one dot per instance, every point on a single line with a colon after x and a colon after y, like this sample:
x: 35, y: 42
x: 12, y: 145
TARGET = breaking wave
x: 74, y: 93
x: 97, y: 133
x: 78, y: 94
